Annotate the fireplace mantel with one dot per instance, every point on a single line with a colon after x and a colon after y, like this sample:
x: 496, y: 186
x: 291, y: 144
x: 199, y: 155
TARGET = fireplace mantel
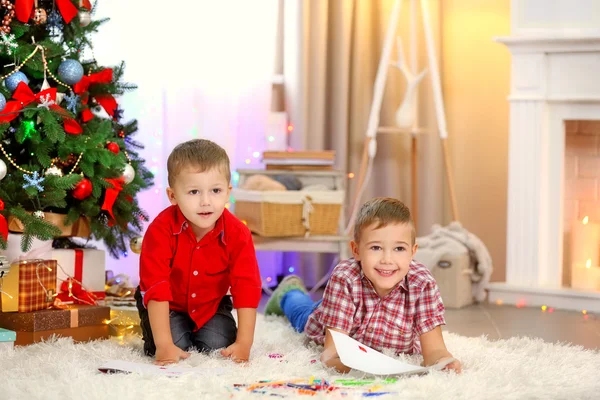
x: 550, y: 44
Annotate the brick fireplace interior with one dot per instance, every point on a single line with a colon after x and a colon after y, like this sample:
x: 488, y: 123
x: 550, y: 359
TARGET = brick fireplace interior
x: 582, y: 182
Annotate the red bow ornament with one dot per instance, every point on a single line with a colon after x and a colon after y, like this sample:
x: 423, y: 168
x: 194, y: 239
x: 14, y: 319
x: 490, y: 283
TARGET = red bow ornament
x: 107, y: 101
x: 3, y: 224
x: 47, y: 98
x: 24, y: 9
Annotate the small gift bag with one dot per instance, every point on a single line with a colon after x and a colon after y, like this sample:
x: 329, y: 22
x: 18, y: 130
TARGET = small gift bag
x: 29, y: 285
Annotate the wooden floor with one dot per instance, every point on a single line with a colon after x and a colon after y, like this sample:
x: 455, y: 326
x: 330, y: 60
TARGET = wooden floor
x: 502, y: 322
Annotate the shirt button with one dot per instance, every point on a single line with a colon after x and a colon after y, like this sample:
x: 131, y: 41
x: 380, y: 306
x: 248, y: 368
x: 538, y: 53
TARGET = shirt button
x: 193, y: 311
x: 197, y: 247
x: 195, y: 273
x: 370, y: 330
x: 193, y: 295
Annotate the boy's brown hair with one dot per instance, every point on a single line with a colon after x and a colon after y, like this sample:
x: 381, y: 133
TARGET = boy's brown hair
x: 383, y: 211
x: 197, y: 153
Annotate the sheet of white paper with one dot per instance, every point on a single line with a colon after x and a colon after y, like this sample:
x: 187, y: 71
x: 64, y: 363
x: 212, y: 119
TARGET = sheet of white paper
x: 169, y: 370
x: 357, y: 356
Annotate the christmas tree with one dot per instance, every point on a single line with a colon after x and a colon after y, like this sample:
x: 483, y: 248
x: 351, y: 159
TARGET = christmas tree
x: 68, y: 163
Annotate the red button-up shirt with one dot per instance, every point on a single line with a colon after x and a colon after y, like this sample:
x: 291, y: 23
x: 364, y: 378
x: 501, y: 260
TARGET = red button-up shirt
x: 194, y: 276
x: 395, y: 321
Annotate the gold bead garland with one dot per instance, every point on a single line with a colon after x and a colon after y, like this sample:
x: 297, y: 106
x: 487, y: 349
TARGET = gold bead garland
x: 46, y: 70
x: 76, y: 163
x: 22, y: 64
x: 23, y: 170
x: 127, y: 155
x: 12, y: 162
x: 49, y: 72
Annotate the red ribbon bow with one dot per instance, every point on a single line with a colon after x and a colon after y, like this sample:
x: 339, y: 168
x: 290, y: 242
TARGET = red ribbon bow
x: 80, y: 295
x: 24, y: 8
x: 111, y: 194
x: 3, y: 224
x: 104, y: 76
x: 107, y: 101
x: 25, y: 96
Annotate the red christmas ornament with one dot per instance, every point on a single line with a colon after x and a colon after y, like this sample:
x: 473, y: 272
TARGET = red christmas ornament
x: 83, y: 189
x: 112, y: 146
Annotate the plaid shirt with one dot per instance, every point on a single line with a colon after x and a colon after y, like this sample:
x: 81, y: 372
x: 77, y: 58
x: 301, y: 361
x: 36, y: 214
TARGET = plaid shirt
x: 394, y: 322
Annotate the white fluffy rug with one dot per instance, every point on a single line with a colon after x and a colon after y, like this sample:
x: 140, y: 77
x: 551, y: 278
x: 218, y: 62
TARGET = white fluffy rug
x: 518, y: 368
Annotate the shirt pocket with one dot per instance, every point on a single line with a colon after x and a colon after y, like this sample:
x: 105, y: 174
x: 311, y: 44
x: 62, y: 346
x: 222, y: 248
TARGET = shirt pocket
x: 216, y: 279
x: 216, y: 269
x: 403, y: 331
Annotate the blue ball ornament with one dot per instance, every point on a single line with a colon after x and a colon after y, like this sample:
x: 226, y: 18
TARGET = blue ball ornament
x: 2, y: 102
x: 13, y: 81
x: 70, y: 71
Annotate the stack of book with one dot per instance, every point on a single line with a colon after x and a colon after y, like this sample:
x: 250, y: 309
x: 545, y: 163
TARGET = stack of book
x: 299, y: 160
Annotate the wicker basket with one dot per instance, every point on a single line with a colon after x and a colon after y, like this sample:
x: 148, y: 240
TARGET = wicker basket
x: 289, y: 213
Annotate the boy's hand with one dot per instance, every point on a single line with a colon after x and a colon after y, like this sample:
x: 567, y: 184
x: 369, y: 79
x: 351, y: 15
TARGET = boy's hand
x: 238, y: 352
x: 454, y: 365
x: 169, y: 354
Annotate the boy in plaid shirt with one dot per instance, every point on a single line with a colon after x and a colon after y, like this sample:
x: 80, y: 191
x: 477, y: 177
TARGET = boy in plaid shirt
x: 379, y: 297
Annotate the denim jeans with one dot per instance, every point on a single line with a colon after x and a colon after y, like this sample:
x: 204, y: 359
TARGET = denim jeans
x: 297, y: 307
x: 220, y: 331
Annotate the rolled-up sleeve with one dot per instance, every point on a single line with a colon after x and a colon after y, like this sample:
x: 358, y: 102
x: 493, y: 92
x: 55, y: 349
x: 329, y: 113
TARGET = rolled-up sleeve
x: 429, y: 309
x: 246, y: 287
x: 155, y: 263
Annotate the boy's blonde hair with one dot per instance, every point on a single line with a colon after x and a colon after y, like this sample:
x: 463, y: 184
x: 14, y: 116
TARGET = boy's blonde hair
x: 197, y: 153
x: 383, y: 211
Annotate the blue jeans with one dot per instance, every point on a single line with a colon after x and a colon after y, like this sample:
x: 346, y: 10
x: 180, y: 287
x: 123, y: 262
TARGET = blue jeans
x: 297, y: 306
x: 220, y: 331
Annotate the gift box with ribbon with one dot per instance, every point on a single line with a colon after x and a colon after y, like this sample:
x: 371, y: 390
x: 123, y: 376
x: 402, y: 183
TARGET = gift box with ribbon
x: 29, y: 285
x: 81, y: 276
x: 81, y: 322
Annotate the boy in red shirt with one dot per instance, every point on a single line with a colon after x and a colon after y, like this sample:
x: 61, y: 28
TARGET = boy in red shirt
x: 192, y: 253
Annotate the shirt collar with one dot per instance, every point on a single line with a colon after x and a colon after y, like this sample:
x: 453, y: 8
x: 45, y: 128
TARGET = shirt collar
x: 180, y: 224
x: 403, y: 284
x: 219, y: 229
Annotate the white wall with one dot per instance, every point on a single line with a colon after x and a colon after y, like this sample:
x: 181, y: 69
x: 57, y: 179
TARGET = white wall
x: 203, y: 68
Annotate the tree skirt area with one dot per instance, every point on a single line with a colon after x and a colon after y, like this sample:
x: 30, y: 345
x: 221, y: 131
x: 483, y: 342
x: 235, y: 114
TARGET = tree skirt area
x: 517, y: 368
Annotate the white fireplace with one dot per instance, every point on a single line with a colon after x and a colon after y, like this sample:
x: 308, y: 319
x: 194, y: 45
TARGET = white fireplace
x: 554, y: 78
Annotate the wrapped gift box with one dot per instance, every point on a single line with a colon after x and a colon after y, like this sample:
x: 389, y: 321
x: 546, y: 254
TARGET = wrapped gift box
x: 84, y: 265
x: 124, y: 321
x: 81, y: 322
x: 7, y: 338
x: 40, y: 249
x: 80, y: 334
x: 29, y: 286
x: 80, y: 228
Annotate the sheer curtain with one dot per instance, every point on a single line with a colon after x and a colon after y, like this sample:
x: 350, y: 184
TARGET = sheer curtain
x: 204, y: 70
x: 331, y: 54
